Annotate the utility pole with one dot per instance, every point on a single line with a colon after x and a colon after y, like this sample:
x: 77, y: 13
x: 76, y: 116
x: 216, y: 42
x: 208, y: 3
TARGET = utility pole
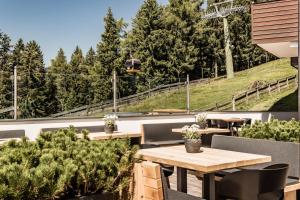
x: 188, y: 93
x: 223, y: 10
x: 115, y: 90
x: 15, y: 93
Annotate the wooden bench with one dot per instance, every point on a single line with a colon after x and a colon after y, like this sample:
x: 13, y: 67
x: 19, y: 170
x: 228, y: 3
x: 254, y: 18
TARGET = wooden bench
x: 12, y: 134
x: 161, y: 134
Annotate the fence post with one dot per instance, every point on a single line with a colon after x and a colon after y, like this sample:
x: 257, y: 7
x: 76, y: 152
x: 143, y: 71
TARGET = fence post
x: 287, y: 81
x: 257, y: 93
x: 217, y: 107
x: 188, y: 93
x: 278, y: 86
x: 269, y: 89
x: 233, y: 103
x: 247, y: 98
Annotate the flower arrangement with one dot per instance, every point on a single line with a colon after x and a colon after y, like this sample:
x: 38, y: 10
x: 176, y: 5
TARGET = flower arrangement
x: 110, y: 123
x: 201, y: 119
x: 110, y: 120
x: 191, y: 132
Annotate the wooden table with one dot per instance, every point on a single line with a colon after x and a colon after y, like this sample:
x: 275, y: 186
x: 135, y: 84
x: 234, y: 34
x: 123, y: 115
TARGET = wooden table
x: 230, y: 122
x: 205, y: 131
x: 115, y: 135
x: 207, y: 162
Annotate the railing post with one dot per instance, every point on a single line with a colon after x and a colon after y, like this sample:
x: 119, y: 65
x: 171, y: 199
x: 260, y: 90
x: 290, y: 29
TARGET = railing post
x: 233, y: 103
x: 217, y: 106
x: 247, y: 98
x: 188, y: 93
x: 287, y: 81
x: 257, y: 93
x: 269, y: 89
x: 278, y: 86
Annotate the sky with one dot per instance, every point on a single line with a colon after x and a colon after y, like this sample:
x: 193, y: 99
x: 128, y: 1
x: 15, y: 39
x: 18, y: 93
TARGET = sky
x: 63, y: 24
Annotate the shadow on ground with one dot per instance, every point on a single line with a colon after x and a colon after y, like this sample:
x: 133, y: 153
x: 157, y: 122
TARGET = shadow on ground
x: 287, y: 103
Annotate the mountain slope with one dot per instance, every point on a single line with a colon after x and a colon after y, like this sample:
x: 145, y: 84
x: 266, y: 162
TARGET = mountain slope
x: 203, y: 97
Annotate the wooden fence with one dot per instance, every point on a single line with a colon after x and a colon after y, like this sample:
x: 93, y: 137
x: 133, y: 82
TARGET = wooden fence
x: 245, y: 96
x: 87, y: 109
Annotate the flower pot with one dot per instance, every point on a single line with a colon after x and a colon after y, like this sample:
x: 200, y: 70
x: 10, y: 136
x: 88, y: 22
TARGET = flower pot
x: 202, y: 125
x: 109, y: 129
x: 192, y: 145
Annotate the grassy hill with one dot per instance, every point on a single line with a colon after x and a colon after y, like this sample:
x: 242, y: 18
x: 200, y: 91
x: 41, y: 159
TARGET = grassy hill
x: 284, y: 101
x: 204, y: 96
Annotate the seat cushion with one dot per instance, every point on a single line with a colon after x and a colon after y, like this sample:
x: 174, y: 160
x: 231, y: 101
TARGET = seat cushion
x: 225, y: 172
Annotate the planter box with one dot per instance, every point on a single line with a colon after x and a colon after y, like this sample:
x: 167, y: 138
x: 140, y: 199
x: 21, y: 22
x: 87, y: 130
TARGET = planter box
x: 281, y: 152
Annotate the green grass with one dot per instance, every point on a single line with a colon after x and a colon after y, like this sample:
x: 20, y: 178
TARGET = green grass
x: 204, y: 96
x: 283, y: 101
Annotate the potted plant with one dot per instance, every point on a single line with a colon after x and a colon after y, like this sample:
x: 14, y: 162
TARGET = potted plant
x: 110, y: 123
x: 192, y: 139
x: 201, y: 119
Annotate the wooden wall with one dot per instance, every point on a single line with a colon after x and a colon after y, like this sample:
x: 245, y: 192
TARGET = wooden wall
x: 275, y: 21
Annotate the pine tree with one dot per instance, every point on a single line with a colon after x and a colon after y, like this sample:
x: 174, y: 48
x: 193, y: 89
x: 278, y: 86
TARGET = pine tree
x: 149, y: 42
x: 90, y: 57
x: 31, y: 92
x: 107, y: 59
x: 6, y: 71
x: 57, y: 81
x: 79, y: 79
x: 182, y: 18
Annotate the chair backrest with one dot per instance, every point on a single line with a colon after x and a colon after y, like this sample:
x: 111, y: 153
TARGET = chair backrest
x: 164, y: 185
x: 273, y: 178
x: 12, y: 134
x: 162, y: 131
x: 267, y: 183
x: 281, y: 152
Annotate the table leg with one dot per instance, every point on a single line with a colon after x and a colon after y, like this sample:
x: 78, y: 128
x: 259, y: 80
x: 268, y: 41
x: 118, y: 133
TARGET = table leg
x: 181, y: 179
x: 208, y: 186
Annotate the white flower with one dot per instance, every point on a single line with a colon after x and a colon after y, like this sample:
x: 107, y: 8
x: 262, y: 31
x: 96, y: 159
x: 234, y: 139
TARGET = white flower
x: 201, y: 117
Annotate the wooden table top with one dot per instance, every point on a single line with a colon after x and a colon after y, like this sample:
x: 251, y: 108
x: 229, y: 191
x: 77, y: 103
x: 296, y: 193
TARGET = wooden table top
x: 205, y: 131
x: 209, y: 160
x: 115, y: 135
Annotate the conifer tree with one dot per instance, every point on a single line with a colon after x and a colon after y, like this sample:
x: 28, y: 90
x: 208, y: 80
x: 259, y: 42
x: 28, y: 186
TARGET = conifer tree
x: 90, y: 57
x: 182, y: 18
x: 107, y: 59
x: 6, y: 71
x: 149, y: 42
x: 31, y: 93
x: 58, y: 82
x: 79, y: 79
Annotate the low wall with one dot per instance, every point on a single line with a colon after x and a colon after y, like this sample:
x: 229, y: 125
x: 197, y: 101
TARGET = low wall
x: 33, y: 127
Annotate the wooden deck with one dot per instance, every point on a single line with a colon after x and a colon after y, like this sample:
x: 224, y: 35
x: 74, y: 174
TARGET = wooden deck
x: 194, y: 185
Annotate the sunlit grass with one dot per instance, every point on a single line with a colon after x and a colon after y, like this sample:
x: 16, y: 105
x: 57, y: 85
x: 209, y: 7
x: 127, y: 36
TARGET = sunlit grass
x: 204, y: 96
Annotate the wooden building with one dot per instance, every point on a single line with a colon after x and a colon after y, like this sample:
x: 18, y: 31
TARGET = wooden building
x: 275, y: 27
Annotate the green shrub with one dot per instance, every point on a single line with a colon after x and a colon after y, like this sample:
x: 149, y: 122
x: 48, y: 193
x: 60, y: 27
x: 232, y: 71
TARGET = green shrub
x: 58, y: 165
x: 274, y: 130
